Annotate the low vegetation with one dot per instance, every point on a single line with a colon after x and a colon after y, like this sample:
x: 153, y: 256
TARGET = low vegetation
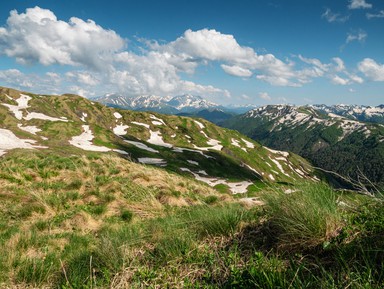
x: 100, y: 221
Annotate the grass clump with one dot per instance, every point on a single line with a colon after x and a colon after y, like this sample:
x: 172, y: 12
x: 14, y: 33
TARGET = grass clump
x: 305, y: 217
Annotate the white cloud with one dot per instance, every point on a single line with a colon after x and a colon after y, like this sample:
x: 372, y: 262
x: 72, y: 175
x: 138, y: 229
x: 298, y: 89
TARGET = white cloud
x: 371, y: 69
x: 264, y: 95
x: 236, y: 70
x: 101, y: 62
x: 37, y: 36
x: 359, y: 4
x: 380, y: 14
x: 82, y: 77
x: 359, y: 36
x: 334, y: 17
x: 330, y: 71
x: 339, y: 80
x: 210, y: 45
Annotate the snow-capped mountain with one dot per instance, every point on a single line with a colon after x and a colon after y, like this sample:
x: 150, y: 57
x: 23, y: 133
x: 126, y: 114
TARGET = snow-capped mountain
x: 188, y: 102
x: 330, y: 141
x: 171, y: 105
x: 356, y: 112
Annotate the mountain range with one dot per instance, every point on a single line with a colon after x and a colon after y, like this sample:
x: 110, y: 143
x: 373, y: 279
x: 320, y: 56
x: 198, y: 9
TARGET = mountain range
x: 331, y: 141
x: 186, y: 103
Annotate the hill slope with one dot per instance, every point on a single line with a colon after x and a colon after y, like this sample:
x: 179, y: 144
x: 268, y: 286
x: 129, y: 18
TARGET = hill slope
x: 330, y: 141
x: 195, y: 148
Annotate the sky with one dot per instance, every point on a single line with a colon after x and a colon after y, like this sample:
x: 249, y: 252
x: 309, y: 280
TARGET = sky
x: 229, y: 52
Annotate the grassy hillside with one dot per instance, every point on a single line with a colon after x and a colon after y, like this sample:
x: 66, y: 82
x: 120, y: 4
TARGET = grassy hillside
x: 100, y: 221
x: 182, y: 145
x: 93, y: 197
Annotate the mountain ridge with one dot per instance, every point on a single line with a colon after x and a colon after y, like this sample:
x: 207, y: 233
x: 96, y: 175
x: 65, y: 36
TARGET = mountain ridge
x: 331, y: 142
x: 75, y: 124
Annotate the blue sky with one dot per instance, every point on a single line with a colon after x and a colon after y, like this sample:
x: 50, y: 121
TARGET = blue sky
x: 230, y: 52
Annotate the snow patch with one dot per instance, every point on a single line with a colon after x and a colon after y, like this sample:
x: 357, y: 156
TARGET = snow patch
x: 280, y: 167
x: 157, y: 139
x: 286, y: 154
x: 142, y: 146
x: 85, y: 115
x: 141, y: 124
x: 235, y: 188
x: 155, y: 122
x: 22, y: 103
x: 235, y: 142
x: 157, y: 119
x: 248, y: 144
x: 117, y: 115
x: 8, y: 141
x: 153, y: 161
x: 199, y: 124
x: 31, y: 129
x: 193, y: 162
x: 38, y: 115
x: 120, y: 129
x: 84, y: 141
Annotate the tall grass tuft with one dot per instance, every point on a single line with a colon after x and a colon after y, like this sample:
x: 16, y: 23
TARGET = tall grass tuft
x: 304, y: 218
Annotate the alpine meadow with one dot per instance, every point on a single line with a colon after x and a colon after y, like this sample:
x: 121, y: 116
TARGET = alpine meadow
x: 191, y: 144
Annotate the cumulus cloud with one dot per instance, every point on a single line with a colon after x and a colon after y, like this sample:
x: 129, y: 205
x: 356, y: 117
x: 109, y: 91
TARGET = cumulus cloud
x: 359, y: 4
x: 101, y: 61
x: 371, y: 69
x: 334, y: 17
x: 339, y: 80
x: 82, y: 77
x: 48, y: 82
x: 236, y: 70
x: 331, y: 71
x: 37, y: 36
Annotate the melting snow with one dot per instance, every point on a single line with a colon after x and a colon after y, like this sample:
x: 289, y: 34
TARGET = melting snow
x: 236, y: 188
x: 117, y: 115
x: 141, y: 124
x: 84, y: 116
x: 152, y: 161
x: 84, y: 141
x: 235, y: 142
x: 31, y: 129
x: 120, y: 151
x: 204, y: 134
x: 248, y: 144
x: 38, y: 115
x: 157, y: 139
x: 280, y: 167
x: 120, y: 129
x: 271, y: 177
x: 286, y: 154
x: 193, y: 162
x: 142, y: 146
x: 157, y: 119
x: 155, y: 122
x: 22, y: 103
x: 8, y: 141
x: 180, y: 150
x: 199, y: 124
x: 214, y: 144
